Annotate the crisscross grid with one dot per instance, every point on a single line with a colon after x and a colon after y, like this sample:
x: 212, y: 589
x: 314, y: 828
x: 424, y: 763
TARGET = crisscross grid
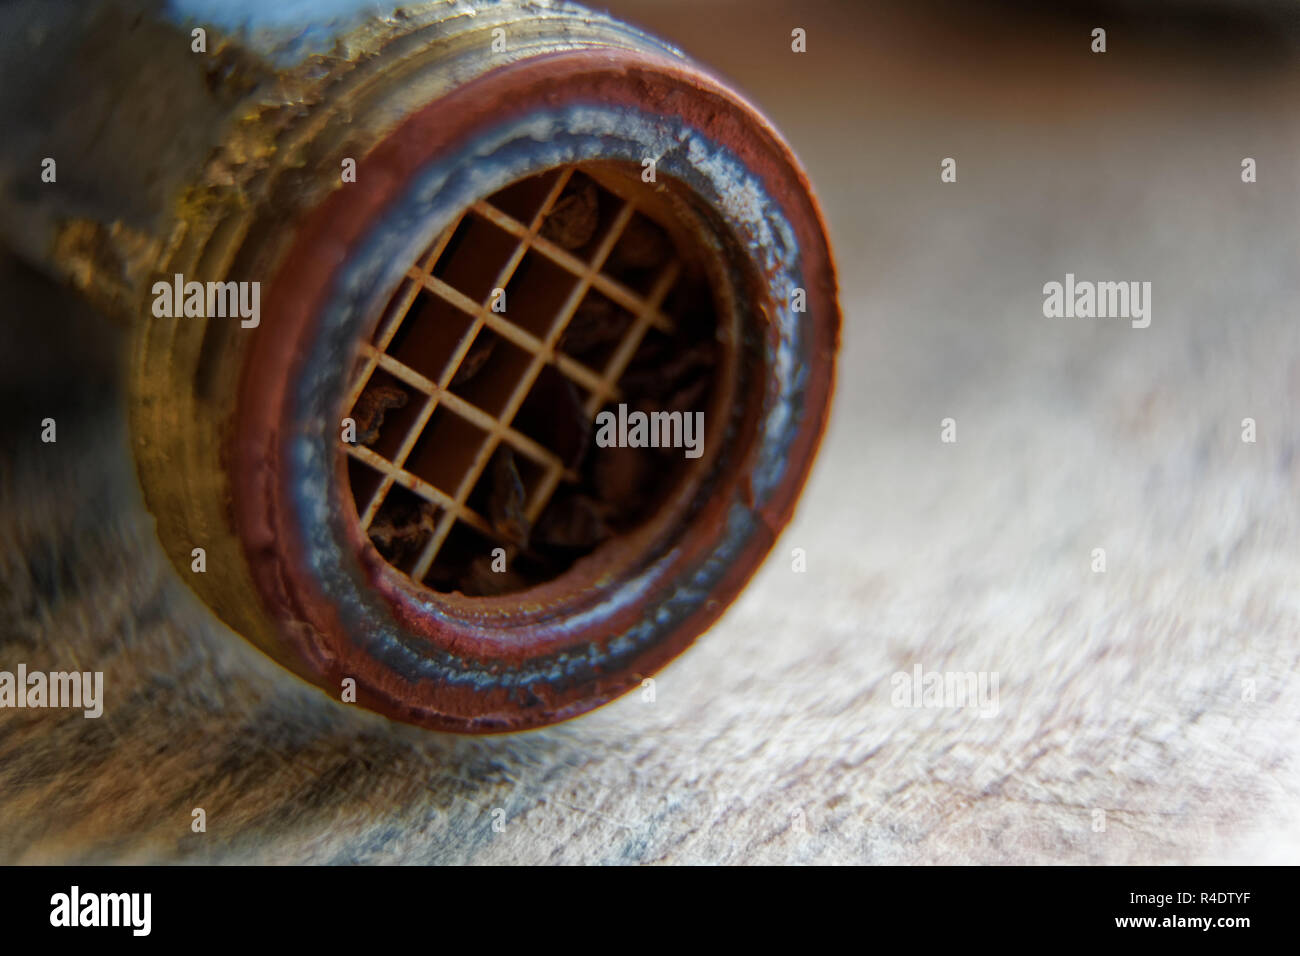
x: 451, y: 499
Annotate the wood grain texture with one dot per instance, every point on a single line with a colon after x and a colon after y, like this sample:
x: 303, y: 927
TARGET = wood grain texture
x: 1120, y: 691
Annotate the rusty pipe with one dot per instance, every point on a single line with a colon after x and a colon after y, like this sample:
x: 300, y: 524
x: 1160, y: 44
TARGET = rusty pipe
x: 314, y: 175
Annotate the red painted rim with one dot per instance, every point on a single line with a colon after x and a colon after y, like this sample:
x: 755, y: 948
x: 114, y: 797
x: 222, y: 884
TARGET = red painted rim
x: 315, y: 643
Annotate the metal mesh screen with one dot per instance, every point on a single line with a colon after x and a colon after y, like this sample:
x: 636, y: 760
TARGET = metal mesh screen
x: 473, y: 402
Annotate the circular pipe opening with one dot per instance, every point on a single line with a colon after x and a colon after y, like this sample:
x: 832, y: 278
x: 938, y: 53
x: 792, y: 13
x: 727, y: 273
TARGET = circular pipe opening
x: 542, y: 383
x: 443, y: 650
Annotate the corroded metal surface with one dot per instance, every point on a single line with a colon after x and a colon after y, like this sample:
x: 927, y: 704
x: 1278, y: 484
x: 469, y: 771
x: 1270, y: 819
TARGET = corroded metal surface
x: 579, y: 642
x: 235, y: 430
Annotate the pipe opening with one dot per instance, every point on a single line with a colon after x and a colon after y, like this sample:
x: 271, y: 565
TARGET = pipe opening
x: 570, y: 308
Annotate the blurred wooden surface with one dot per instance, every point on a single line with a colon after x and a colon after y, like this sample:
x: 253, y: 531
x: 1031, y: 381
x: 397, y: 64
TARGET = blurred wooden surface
x: 774, y: 739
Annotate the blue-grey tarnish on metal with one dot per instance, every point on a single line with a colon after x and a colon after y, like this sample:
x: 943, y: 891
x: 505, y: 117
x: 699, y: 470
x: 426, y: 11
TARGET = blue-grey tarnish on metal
x: 503, y: 155
x: 287, y: 32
